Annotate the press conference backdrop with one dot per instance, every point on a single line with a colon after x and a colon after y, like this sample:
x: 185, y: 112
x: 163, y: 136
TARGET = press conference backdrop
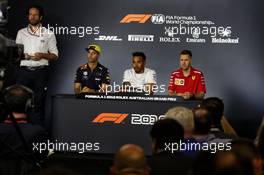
x: 226, y: 38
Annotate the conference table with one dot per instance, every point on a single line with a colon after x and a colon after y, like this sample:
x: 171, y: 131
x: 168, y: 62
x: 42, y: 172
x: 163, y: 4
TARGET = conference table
x: 105, y: 122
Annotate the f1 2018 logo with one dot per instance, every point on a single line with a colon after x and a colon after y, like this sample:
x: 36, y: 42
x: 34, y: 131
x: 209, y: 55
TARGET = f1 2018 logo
x: 110, y: 117
x: 137, y: 18
x: 145, y: 119
x: 136, y: 119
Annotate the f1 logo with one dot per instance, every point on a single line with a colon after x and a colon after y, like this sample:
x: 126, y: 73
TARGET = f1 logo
x: 140, y: 18
x: 110, y: 117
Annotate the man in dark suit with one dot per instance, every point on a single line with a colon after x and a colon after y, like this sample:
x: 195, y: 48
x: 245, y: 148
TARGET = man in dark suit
x: 18, y: 134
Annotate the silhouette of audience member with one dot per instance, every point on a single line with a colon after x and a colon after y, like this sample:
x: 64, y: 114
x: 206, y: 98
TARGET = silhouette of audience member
x: 130, y: 160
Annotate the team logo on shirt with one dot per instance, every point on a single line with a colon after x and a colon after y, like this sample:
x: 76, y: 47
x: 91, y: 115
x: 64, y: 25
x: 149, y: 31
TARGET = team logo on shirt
x: 193, y: 77
x: 85, y: 75
x: 179, y: 82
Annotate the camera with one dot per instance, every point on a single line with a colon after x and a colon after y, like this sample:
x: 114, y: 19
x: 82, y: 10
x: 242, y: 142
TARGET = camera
x: 10, y: 52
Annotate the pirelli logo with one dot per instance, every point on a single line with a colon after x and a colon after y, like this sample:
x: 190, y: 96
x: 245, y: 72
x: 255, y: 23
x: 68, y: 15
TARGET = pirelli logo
x: 116, y: 118
x: 137, y: 18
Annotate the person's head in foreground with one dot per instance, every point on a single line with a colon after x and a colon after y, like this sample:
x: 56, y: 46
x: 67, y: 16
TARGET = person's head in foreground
x: 216, y: 106
x: 18, y: 98
x: 184, y: 116
x: 202, y: 121
x: 130, y: 160
x: 247, y: 150
x: 222, y: 163
x: 165, y: 131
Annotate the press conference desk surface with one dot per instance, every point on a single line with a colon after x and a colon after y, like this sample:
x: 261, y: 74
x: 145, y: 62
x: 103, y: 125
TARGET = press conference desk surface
x: 106, y: 122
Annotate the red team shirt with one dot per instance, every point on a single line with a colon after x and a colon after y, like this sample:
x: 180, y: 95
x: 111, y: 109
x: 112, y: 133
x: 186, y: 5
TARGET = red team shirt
x: 194, y: 83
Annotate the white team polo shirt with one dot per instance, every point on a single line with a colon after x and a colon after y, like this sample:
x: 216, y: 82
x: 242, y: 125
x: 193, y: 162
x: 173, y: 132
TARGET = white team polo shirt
x: 139, y: 80
x: 43, y: 40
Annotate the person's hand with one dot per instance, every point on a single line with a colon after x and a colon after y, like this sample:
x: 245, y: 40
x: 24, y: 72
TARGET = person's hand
x: 37, y: 56
x: 86, y: 89
x: 187, y: 95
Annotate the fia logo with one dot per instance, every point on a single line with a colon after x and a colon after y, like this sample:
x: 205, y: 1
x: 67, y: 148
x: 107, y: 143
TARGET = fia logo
x: 157, y: 19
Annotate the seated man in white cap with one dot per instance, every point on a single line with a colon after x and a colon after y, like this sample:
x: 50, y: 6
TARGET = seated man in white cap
x: 92, y: 76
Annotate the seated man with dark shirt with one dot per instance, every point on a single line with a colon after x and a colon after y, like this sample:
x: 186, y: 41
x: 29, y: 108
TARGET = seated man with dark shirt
x: 16, y: 153
x: 92, y: 76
